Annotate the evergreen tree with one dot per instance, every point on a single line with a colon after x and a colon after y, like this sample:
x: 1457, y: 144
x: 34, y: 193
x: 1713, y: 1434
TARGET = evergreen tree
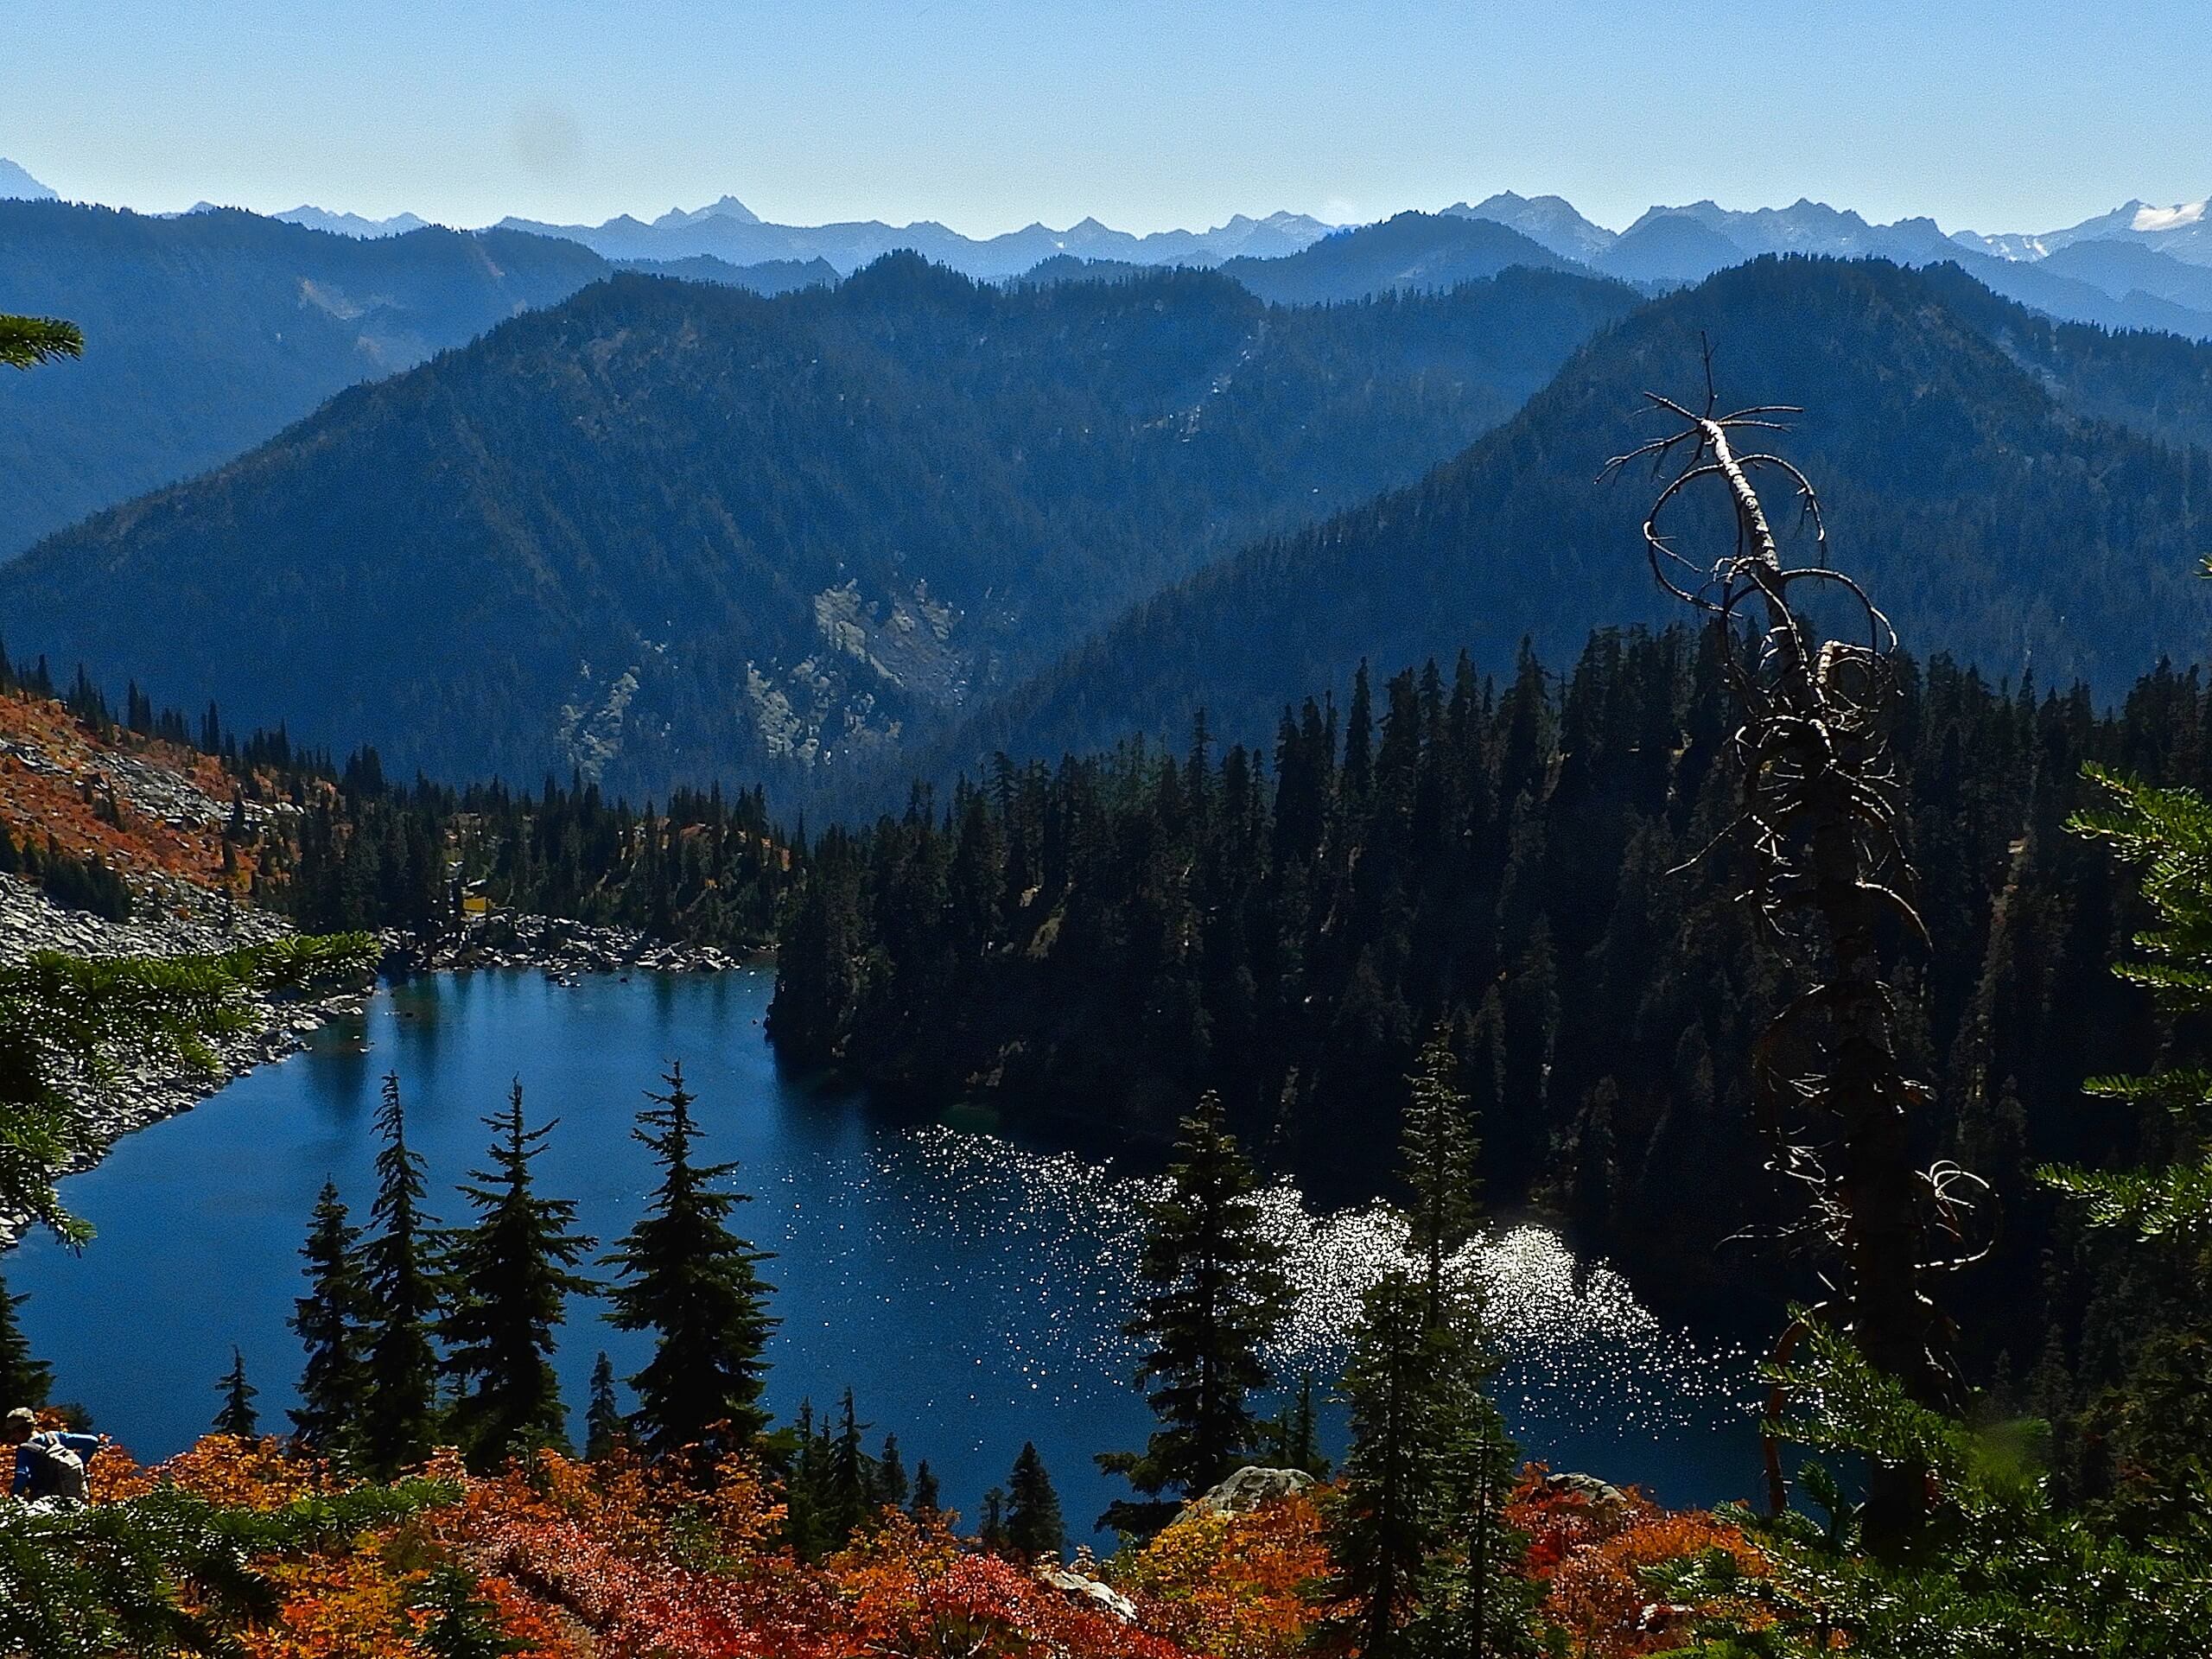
x: 399, y: 1415
x: 1294, y: 1438
x: 807, y: 1453
x: 462, y: 1623
x: 2167, y: 832
x: 1438, y: 1148
x: 926, y: 1505
x: 687, y: 1278
x: 237, y: 1417
x: 507, y: 1279
x: 332, y: 1321
x: 24, y: 1380
x: 602, y: 1416
x: 2153, y: 1425
x: 27, y: 342
x: 1478, y: 1599
x: 1388, y: 1522
x: 851, y: 1479
x: 1033, y: 1527
x: 1424, y: 1560
x: 1217, y: 1292
x: 890, y: 1486
x: 992, y: 1534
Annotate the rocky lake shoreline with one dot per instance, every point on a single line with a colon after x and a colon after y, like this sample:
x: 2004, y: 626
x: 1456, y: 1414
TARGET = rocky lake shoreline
x: 176, y: 917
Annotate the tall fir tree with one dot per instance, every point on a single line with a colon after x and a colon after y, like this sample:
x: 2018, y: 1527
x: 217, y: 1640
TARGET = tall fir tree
x: 1439, y: 1150
x: 238, y: 1418
x: 991, y: 1533
x: 890, y: 1484
x: 25, y: 1379
x: 400, y: 1415
x: 804, y: 1450
x: 1215, y: 1292
x: 927, y: 1503
x: 1292, y: 1440
x: 603, y: 1428
x: 506, y: 1279
x: 689, y: 1280
x: 1425, y: 1563
x: 332, y: 1321
x: 1388, y: 1521
x: 1033, y: 1526
x: 851, y: 1479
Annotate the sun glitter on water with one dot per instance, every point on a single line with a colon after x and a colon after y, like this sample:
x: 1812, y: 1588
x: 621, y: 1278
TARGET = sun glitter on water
x: 1575, y: 1342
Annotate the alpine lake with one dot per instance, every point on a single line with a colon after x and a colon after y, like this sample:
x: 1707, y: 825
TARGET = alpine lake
x: 967, y: 1290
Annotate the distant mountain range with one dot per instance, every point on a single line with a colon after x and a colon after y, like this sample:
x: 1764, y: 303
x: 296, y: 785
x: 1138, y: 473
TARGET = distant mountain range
x: 341, y: 224
x: 667, y: 529
x: 663, y: 532
x: 728, y: 231
x: 2143, y: 267
x: 2134, y: 268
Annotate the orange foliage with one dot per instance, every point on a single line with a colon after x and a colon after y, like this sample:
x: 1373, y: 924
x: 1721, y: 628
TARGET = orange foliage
x: 335, y: 1607
x: 619, y: 1560
x: 1599, y: 1595
x: 911, y: 1593
x: 647, y: 1567
x: 1559, y: 1520
x: 58, y: 779
x: 242, y: 1474
x: 1241, y: 1587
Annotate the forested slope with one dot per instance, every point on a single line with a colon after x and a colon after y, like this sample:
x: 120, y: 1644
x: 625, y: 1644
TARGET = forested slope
x: 666, y: 530
x: 2012, y: 491
x: 209, y: 332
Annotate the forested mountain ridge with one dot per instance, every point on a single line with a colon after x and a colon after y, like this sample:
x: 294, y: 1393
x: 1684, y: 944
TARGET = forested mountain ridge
x: 1988, y: 471
x: 208, y: 333
x: 666, y: 530
x: 1410, y: 253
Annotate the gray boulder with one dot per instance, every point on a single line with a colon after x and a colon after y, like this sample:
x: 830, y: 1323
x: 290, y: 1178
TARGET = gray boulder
x: 1252, y: 1487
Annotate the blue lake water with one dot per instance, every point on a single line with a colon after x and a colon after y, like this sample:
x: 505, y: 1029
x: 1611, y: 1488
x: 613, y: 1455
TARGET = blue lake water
x: 968, y: 1291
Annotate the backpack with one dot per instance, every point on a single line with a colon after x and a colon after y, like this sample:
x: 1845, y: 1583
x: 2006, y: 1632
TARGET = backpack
x: 56, y: 1471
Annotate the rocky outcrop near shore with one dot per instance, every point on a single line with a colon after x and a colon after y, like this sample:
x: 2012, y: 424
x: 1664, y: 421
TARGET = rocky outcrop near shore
x: 172, y: 917
x: 561, y: 948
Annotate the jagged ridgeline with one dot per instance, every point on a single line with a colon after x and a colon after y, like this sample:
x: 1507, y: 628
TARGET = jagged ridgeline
x: 664, y: 531
x: 1088, y: 947
x: 2017, y: 493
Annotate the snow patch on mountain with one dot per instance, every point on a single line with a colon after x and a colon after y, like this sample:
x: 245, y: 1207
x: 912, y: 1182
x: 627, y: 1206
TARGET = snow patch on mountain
x: 2150, y: 219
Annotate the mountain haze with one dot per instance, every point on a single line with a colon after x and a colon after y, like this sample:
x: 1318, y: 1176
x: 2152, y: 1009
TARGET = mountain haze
x: 729, y: 230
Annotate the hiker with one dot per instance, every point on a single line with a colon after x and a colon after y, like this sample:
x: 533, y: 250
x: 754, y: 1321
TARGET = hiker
x: 48, y: 1465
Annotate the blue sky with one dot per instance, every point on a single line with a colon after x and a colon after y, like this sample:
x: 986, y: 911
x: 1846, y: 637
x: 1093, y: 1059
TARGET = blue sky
x: 986, y: 115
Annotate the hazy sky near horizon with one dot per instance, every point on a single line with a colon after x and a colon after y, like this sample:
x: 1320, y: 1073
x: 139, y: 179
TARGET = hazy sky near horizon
x: 987, y: 114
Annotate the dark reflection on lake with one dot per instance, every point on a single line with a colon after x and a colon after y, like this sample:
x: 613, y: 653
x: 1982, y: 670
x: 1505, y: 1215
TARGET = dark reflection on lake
x: 967, y: 1291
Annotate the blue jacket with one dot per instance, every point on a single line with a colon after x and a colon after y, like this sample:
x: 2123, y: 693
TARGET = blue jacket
x: 83, y: 1444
